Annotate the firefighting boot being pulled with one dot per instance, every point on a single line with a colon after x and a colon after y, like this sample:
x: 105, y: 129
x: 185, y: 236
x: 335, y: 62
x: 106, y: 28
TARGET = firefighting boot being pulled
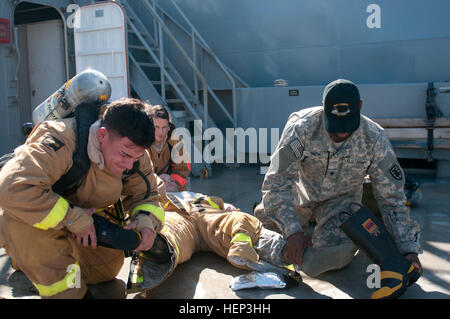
x: 114, y: 236
x: 367, y: 232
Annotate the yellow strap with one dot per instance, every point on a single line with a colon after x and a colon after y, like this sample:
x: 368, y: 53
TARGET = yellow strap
x: 210, y: 201
x: 241, y: 237
x: 55, y: 216
x: 67, y: 282
x: 158, y: 212
x: 391, y: 274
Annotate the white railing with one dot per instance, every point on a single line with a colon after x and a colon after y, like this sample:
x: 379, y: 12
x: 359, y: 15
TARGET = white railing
x: 192, y: 62
x: 166, y: 74
x: 196, y: 35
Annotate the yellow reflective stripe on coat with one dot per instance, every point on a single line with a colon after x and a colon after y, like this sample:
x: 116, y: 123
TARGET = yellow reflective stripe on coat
x: 210, y: 201
x: 69, y: 281
x: 137, y: 279
x: 158, y: 212
x: 290, y: 267
x: 241, y: 237
x: 55, y: 216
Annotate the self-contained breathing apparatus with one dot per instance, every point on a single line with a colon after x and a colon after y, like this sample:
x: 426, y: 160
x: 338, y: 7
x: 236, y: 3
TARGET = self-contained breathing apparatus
x: 80, y: 97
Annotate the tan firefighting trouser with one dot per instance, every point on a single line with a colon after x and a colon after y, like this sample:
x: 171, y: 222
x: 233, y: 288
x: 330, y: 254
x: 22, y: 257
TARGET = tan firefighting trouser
x: 54, y: 262
x: 228, y: 234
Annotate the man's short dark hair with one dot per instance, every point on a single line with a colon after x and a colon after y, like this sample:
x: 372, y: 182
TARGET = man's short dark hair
x: 160, y: 112
x: 130, y: 118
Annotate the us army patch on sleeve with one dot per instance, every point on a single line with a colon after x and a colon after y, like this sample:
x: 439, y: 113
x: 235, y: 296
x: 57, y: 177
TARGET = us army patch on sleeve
x: 52, y: 142
x: 296, y: 147
x: 287, y: 155
x: 396, y: 172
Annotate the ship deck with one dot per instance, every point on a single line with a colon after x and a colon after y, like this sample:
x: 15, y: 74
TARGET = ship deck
x: 207, y: 275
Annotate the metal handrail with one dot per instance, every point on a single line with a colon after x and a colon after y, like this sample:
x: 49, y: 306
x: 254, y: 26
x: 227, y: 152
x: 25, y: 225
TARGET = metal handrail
x: 186, y: 56
x: 211, y: 53
x: 167, y: 75
x: 156, y: 59
x: 206, y: 88
x: 203, y: 46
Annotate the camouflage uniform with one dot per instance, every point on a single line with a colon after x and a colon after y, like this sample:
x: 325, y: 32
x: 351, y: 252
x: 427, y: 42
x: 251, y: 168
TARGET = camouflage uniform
x: 311, y: 176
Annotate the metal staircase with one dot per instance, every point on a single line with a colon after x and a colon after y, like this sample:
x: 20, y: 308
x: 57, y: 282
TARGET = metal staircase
x: 178, y: 84
x: 155, y: 78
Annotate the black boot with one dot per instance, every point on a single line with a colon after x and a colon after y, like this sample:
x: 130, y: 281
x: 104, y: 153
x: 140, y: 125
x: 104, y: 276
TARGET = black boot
x: 88, y: 295
x: 114, y: 236
x: 367, y: 232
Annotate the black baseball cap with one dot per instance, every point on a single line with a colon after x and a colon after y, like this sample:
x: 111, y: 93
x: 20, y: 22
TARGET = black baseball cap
x: 341, y: 102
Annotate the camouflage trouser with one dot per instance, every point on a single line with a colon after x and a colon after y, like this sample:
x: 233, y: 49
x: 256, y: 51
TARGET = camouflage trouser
x: 331, y: 249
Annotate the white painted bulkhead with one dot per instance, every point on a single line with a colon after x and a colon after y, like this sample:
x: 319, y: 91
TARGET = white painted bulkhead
x: 101, y: 44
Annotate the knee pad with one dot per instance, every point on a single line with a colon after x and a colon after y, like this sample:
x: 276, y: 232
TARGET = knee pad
x: 319, y: 260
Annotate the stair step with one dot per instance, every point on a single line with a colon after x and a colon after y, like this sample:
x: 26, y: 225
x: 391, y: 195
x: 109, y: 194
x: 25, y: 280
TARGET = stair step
x: 148, y: 65
x: 146, y: 43
x: 130, y: 30
x: 185, y: 119
x: 154, y: 47
x: 151, y: 65
x: 166, y: 82
x: 137, y: 47
x: 178, y: 100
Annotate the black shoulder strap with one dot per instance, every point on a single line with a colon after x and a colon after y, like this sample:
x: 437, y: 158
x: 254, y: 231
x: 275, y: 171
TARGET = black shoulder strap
x: 136, y: 170
x: 85, y: 115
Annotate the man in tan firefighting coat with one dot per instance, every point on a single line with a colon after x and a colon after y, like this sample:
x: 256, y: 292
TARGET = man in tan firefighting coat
x: 169, y: 156
x: 197, y: 222
x: 51, y: 238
